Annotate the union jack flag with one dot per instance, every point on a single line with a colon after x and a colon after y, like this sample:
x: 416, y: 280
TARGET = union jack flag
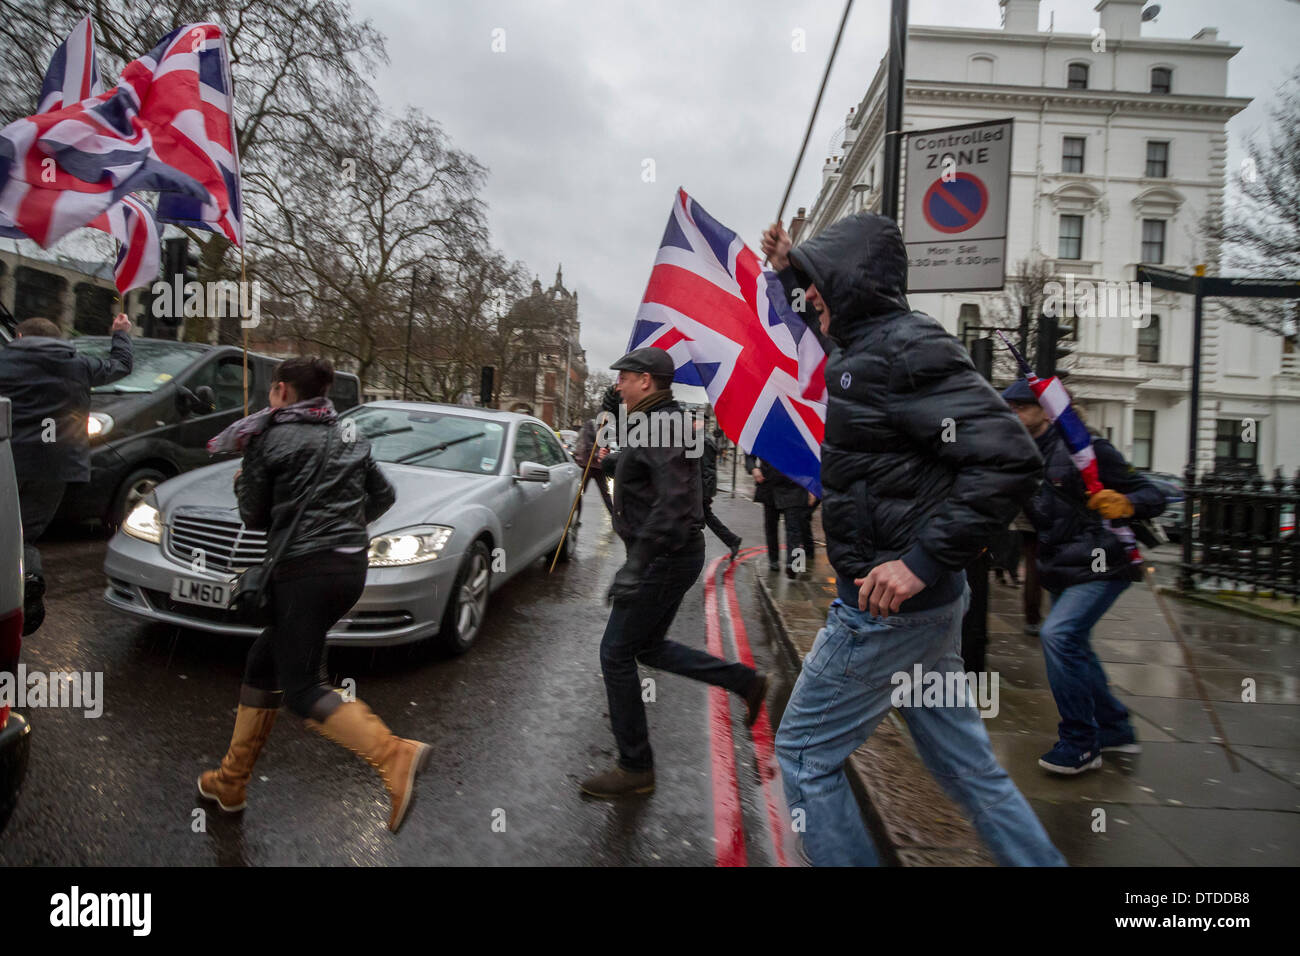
x: 729, y: 328
x: 167, y: 126
x: 73, y: 76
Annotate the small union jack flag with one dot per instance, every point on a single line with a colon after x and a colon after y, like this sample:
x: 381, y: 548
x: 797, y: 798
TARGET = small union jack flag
x: 727, y: 324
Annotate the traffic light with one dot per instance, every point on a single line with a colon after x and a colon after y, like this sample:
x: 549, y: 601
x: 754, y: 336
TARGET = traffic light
x: 485, y: 385
x: 1054, y: 344
x: 180, y: 267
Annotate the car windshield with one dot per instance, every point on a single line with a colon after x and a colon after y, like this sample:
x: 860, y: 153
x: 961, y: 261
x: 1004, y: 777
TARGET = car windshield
x: 430, y: 438
x: 155, y: 363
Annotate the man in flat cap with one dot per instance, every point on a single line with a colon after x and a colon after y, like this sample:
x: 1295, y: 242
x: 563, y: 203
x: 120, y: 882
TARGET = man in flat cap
x: 659, y: 514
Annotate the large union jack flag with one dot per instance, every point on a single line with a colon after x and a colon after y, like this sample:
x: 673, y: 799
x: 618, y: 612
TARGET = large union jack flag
x: 728, y: 326
x: 167, y: 127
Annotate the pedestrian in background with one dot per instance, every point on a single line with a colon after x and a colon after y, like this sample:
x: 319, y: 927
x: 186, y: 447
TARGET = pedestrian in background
x: 48, y: 382
x: 592, y: 470
x: 1085, y: 568
x: 905, y: 512
x: 659, y: 514
x: 709, y: 479
x: 296, y: 460
x: 1032, y: 595
x: 783, y: 499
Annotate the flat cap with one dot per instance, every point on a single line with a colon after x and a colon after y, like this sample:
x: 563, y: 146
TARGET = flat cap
x: 1019, y: 391
x: 652, y: 360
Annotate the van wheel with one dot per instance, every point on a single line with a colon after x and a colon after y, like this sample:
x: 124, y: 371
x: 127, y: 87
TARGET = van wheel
x: 467, y: 605
x: 132, y: 491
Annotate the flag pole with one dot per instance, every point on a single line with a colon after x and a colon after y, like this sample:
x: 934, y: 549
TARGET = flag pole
x: 243, y: 284
x: 581, y: 485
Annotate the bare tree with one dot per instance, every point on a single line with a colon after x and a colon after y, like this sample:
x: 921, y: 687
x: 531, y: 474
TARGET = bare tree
x: 1027, y: 290
x: 1259, y: 235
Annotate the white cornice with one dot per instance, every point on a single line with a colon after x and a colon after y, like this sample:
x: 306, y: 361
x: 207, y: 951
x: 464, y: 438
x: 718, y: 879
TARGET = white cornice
x: 1218, y: 48
x: 1035, y: 97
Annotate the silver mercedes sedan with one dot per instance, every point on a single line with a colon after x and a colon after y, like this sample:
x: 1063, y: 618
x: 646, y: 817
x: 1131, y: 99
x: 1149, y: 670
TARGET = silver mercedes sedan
x: 481, y: 495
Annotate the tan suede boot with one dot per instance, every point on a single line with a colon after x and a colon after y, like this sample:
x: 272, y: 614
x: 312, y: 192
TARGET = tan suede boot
x: 357, y: 727
x: 227, y: 784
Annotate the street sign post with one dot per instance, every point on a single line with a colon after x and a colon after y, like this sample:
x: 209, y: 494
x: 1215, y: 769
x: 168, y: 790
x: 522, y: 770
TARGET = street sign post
x: 955, y: 207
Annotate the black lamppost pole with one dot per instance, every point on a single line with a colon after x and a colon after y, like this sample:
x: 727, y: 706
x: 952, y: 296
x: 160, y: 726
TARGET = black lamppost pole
x: 410, y: 319
x: 896, y: 73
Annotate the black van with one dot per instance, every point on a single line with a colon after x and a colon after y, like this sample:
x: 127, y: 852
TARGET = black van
x: 156, y: 422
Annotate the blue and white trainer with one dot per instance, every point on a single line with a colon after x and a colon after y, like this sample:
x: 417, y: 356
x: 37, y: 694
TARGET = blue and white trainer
x: 1068, y: 761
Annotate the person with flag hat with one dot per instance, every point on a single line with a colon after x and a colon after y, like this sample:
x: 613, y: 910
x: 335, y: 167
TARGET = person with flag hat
x: 659, y: 514
x: 1084, y: 565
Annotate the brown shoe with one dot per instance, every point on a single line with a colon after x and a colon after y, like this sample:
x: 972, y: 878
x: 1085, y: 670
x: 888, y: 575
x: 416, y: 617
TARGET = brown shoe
x: 228, y: 784
x: 398, y: 760
x: 619, y: 783
x: 755, y: 698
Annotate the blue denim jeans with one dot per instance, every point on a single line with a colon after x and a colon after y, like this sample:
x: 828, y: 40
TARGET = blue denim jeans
x: 1083, y: 699
x: 841, y: 695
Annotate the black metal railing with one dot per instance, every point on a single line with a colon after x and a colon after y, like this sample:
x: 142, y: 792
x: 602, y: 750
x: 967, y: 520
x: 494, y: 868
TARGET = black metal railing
x: 1244, y: 534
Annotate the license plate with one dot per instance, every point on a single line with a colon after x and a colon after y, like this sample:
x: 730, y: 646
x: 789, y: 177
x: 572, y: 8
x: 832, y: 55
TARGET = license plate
x: 205, y: 593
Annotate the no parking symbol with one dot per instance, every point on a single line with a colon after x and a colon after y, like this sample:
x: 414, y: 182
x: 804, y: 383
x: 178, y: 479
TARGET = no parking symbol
x: 953, y: 207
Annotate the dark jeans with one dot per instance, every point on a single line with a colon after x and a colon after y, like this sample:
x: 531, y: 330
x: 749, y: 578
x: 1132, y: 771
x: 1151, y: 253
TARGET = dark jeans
x: 636, y: 634
x: 308, y: 596
x: 38, y: 500
x: 1033, y: 595
x: 596, y: 475
x: 798, y: 532
x: 1087, y: 707
x: 714, y: 523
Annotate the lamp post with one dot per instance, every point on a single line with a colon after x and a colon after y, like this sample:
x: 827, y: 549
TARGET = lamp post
x: 410, y: 320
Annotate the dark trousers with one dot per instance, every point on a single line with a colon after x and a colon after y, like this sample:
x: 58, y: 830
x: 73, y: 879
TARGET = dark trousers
x: 798, y: 532
x: 714, y: 523
x: 636, y: 634
x: 38, y: 500
x: 308, y: 596
x: 1033, y: 596
x: 596, y: 475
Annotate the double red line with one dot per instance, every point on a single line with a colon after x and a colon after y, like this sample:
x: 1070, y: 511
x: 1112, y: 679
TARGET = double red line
x: 728, y: 817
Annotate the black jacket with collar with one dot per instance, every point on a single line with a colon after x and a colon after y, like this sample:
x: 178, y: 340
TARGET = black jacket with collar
x: 47, y: 379
x: 280, y: 466
x: 922, y: 460
x: 658, y: 495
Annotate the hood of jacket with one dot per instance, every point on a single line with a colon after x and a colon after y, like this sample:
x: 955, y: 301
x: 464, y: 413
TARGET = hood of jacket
x: 859, y: 266
x: 43, y: 346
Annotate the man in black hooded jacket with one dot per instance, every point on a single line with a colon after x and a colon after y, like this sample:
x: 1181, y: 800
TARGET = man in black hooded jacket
x: 921, y: 463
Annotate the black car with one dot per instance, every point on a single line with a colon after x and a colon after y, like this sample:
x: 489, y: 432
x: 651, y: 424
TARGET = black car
x: 155, y: 423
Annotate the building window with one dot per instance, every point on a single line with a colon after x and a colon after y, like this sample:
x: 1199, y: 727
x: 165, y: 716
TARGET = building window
x: 1153, y: 240
x: 1144, y: 436
x: 1071, y: 241
x: 1077, y: 76
x: 1072, y: 154
x: 1161, y: 79
x: 1149, y: 340
x: 1157, y: 160
x: 969, y: 326
x: 1231, y: 451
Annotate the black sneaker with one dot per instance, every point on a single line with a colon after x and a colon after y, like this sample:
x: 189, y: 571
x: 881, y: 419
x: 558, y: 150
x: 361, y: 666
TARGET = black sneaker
x: 33, y: 602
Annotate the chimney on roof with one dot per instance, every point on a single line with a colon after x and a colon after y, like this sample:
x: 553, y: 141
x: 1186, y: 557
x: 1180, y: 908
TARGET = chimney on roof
x: 1121, y: 19
x: 1019, y: 16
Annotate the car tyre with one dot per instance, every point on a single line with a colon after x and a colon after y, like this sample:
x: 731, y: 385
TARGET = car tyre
x: 569, y: 545
x: 131, y: 492
x: 467, y: 605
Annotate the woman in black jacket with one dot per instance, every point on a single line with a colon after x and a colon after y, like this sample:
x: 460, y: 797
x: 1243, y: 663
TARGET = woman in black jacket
x: 289, y: 448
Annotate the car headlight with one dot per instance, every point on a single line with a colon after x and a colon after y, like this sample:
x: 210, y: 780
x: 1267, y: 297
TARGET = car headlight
x: 408, y: 546
x: 98, y: 425
x: 144, y: 522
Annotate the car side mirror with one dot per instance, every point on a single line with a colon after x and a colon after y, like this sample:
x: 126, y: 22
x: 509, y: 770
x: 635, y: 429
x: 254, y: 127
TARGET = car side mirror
x: 531, y: 471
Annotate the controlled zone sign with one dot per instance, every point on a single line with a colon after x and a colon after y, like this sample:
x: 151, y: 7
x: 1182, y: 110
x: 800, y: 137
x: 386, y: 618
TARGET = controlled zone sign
x: 958, y: 181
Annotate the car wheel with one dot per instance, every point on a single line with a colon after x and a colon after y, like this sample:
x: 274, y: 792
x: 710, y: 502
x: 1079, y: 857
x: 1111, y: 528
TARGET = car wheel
x: 467, y: 605
x: 133, y: 490
x: 569, y: 546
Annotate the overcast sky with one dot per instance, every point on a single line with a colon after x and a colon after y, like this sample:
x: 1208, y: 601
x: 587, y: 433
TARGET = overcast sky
x: 711, y: 91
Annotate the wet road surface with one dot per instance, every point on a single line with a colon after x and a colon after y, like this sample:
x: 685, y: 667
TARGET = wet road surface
x: 514, y: 725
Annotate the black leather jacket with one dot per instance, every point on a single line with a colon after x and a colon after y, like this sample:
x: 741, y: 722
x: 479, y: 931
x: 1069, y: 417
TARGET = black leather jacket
x: 279, y: 467
x: 658, y: 497
x: 922, y: 460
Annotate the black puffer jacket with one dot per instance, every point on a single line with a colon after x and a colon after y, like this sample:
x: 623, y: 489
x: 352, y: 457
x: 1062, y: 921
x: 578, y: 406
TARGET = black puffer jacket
x: 922, y: 459
x: 280, y: 465
x: 1068, y: 532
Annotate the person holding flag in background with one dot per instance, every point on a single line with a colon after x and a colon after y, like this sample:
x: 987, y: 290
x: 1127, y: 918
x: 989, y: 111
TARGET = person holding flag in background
x: 1087, y: 557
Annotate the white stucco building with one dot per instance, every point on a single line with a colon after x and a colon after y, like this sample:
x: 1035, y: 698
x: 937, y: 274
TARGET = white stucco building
x: 1119, y: 150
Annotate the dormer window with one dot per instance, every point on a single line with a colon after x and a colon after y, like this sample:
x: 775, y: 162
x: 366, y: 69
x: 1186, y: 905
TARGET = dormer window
x: 1161, y: 79
x: 1077, y: 76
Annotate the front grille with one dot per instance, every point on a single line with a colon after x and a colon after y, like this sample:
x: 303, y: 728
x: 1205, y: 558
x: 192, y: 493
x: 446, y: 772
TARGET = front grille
x: 220, y: 538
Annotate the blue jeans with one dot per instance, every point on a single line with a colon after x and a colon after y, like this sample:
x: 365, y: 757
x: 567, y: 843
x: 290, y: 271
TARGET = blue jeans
x: 1083, y: 699
x: 844, y: 690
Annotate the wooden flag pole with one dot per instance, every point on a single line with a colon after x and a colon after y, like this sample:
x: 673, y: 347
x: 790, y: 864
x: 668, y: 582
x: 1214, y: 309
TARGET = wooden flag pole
x: 577, y: 498
x: 243, y: 284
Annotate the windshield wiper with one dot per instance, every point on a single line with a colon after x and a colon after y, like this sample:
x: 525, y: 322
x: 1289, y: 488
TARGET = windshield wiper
x: 391, y: 431
x: 119, y: 389
x: 434, y: 449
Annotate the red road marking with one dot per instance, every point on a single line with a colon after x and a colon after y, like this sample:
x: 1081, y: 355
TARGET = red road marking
x: 728, y: 821
x: 764, y: 745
